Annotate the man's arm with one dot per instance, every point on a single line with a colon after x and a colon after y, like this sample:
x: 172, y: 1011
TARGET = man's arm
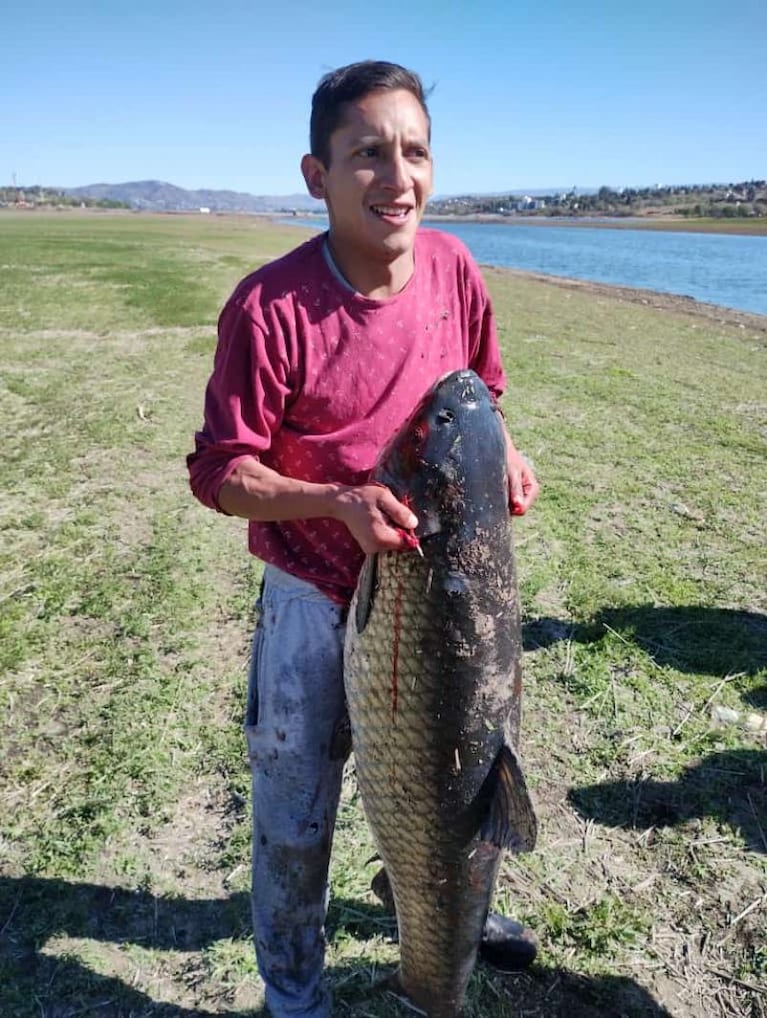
x: 375, y: 518
x: 244, y: 405
x: 485, y: 359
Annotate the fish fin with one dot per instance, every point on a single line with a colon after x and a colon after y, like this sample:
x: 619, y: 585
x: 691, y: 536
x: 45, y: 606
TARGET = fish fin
x: 366, y: 588
x: 510, y: 822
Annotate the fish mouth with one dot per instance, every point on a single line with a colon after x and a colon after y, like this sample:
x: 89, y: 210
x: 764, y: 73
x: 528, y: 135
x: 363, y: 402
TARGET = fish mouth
x: 460, y: 385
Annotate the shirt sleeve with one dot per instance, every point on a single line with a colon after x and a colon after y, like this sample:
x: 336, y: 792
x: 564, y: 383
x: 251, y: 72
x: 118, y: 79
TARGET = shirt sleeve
x: 244, y: 401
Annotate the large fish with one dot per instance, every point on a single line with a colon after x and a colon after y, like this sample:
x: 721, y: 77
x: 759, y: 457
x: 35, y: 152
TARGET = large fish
x: 433, y: 683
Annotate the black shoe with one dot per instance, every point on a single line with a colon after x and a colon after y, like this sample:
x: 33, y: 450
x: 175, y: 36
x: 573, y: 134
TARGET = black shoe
x: 381, y: 888
x: 506, y: 945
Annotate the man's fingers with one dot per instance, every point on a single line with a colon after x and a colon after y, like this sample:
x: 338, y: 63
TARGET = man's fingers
x: 377, y: 519
x: 398, y: 514
x: 523, y: 487
x: 516, y: 492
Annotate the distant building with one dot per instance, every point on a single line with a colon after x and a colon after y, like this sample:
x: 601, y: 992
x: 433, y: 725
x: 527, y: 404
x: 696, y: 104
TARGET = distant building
x: 528, y: 204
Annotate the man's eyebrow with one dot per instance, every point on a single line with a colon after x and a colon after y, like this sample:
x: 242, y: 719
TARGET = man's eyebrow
x: 370, y: 139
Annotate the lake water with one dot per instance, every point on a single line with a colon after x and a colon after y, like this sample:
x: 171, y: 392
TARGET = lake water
x: 712, y: 267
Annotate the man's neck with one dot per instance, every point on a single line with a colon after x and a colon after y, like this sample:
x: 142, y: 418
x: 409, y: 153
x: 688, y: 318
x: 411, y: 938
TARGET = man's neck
x: 376, y: 280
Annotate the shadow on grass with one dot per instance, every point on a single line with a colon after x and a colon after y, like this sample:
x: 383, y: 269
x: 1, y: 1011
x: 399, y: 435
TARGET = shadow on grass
x: 540, y: 992
x: 729, y: 786
x: 757, y: 698
x: 34, y: 910
x: 360, y: 919
x: 716, y: 641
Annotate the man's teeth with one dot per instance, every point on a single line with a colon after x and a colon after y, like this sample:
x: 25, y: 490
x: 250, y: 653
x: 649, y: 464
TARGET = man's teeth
x: 389, y: 210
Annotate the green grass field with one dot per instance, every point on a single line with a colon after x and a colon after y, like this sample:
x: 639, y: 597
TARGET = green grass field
x: 126, y: 611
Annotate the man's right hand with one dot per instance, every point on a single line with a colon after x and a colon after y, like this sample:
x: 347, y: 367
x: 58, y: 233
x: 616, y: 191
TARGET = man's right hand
x: 376, y: 519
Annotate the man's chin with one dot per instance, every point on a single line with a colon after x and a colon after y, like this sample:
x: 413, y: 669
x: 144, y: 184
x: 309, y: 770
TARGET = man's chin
x: 378, y: 245
x: 401, y: 240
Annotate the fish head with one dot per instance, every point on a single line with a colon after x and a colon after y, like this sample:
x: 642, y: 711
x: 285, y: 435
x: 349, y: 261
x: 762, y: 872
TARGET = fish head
x: 448, y: 460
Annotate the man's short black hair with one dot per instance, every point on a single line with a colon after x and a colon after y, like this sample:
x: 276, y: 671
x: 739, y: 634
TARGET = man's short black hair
x: 347, y: 84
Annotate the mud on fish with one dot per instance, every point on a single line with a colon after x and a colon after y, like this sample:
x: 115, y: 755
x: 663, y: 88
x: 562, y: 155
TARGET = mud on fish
x: 433, y: 682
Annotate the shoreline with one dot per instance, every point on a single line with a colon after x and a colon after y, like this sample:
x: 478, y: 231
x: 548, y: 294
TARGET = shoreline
x: 656, y: 299
x: 671, y: 224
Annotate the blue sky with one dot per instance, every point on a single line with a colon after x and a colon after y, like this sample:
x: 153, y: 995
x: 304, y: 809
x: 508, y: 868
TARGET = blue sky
x: 542, y: 95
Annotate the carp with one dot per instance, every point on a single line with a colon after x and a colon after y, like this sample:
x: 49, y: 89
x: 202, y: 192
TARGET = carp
x: 432, y: 669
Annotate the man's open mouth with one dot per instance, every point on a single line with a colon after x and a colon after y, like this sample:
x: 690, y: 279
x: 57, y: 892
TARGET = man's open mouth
x: 391, y: 211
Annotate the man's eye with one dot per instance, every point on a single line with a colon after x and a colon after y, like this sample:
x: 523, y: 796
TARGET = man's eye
x: 419, y: 153
x: 369, y: 152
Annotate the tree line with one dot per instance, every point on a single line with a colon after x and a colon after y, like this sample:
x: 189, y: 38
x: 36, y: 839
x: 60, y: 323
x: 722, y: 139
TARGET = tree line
x: 744, y: 199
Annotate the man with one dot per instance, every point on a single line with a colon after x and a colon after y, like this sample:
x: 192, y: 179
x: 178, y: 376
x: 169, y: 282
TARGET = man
x: 321, y: 355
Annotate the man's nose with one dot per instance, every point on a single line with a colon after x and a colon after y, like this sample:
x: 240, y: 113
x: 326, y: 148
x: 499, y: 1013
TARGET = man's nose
x: 396, y: 173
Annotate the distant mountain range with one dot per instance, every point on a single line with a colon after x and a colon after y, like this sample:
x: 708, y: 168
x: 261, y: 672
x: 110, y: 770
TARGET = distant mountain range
x: 159, y: 196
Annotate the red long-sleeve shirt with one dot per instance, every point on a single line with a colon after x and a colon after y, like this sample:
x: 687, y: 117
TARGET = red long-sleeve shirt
x: 312, y: 378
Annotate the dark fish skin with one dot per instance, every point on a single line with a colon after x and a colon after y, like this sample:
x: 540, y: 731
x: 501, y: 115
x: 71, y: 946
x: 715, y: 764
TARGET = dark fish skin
x: 433, y: 683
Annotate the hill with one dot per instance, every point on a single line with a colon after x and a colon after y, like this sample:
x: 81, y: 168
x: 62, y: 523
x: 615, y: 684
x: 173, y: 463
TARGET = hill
x: 160, y: 196
x: 157, y: 195
x: 747, y: 199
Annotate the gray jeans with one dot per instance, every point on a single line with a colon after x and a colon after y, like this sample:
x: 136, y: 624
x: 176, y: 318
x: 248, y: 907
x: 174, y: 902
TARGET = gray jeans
x: 295, y: 708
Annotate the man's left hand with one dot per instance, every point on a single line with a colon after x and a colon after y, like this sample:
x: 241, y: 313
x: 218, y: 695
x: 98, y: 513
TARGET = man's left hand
x: 523, y: 484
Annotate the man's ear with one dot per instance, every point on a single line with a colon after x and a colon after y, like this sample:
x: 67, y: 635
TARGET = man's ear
x: 314, y: 175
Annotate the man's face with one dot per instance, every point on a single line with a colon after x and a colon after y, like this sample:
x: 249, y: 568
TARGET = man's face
x: 379, y: 178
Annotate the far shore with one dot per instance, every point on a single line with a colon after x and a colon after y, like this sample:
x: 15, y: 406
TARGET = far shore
x: 756, y: 227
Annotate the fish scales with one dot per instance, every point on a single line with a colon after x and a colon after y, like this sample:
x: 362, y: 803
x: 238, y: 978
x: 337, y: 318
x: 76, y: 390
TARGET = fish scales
x: 433, y: 682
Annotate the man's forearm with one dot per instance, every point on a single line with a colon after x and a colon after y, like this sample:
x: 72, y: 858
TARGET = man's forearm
x: 375, y: 518
x: 256, y: 492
